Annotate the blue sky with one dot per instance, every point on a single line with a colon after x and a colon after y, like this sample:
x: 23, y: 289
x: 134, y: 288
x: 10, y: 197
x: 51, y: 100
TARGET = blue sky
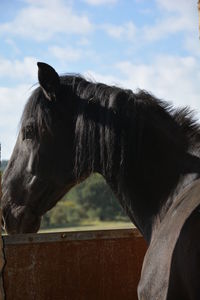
x: 147, y: 44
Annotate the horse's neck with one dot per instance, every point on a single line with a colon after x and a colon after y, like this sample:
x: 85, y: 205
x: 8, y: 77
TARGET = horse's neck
x: 135, y: 207
x: 138, y: 208
x: 184, y: 182
x: 192, y: 166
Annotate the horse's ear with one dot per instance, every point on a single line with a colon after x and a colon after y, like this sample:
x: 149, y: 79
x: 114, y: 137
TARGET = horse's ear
x: 49, y: 80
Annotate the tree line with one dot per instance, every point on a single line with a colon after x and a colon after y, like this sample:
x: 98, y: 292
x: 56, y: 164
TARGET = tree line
x: 92, y: 200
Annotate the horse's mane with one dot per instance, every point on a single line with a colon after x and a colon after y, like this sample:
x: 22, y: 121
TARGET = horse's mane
x: 118, y: 119
x: 111, y: 122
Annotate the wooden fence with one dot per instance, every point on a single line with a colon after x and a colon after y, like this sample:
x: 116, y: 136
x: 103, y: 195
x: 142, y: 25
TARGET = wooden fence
x: 93, y: 265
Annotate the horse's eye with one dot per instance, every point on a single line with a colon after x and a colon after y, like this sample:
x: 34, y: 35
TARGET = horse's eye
x: 28, y: 133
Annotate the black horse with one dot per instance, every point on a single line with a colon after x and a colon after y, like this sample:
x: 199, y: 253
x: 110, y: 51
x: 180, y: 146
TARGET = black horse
x: 148, y: 153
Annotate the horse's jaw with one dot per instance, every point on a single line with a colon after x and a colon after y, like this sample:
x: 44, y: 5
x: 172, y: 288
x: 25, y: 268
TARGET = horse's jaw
x: 20, y: 220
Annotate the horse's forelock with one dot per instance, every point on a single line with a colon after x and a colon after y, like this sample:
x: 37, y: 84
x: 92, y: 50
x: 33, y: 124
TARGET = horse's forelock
x: 37, y: 109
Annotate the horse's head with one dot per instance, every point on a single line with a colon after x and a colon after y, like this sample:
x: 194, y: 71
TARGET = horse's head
x: 40, y: 170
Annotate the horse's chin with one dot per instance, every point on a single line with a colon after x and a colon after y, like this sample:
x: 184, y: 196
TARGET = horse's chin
x: 33, y: 228
x: 30, y: 227
x: 27, y: 223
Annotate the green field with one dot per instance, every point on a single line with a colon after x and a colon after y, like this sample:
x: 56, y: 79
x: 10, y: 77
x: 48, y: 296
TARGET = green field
x: 98, y: 225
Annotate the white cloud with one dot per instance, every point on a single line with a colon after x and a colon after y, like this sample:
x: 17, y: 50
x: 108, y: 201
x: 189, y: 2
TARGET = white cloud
x: 72, y: 54
x: 20, y: 70
x: 41, y: 20
x: 171, y: 78
x: 180, y: 15
x: 13, y: 46
x: 167, y: 26
x: 176, y: 16
x: 84, y: 42
x: 125, y: 31
x: 100, y: 2
x: 181, y: 6
x: 12, y: 101
x: 67, y: 54
x: 192, y: 44
x: 107, y: 79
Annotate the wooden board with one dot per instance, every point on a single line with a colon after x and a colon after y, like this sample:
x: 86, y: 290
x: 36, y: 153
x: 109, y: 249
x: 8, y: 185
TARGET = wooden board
x: 95, y: 265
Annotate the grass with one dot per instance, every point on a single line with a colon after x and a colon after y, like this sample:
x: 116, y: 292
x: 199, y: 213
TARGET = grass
x: 95, y: 225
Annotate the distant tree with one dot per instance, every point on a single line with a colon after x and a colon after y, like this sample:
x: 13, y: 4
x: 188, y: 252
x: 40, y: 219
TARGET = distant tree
x: 3, y: 164
x: 90, y: 200
x: 95, y: 195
